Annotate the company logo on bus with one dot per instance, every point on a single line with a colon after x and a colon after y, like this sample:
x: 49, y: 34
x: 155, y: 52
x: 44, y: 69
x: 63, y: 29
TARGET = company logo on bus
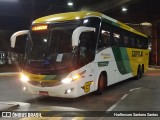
x: 137, y: 53
x: 86, y: 86
x: 106, y: 55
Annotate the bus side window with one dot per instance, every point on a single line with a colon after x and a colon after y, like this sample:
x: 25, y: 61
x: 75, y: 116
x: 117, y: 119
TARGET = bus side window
x: 104, y: 39
x: 145, y: 43
x: 125, y: 39
x: 87, y: 47
x: 105, y: 36
x: 84, y: 41
x: 116, y: 39
x: 138, y: 43
x: 132, y: 42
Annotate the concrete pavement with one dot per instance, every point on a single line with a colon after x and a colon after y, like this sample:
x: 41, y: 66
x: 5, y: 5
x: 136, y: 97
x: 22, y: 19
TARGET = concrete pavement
x: 4, y: 106
x: 144, y: 97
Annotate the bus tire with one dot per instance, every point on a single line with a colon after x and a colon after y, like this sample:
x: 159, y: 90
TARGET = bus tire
x: 139, y: 73
x: 101, y: 84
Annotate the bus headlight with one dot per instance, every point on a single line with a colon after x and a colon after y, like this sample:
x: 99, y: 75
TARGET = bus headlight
x: 68, y: 80
x: 24, y: 78
x: 74, y: 77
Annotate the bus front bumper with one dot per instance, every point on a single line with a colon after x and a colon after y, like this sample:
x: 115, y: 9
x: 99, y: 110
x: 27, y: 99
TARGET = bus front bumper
x: 64, y: 90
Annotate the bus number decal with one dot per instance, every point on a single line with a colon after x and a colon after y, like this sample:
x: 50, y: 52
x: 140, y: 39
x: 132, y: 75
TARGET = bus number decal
x: 86, y: 86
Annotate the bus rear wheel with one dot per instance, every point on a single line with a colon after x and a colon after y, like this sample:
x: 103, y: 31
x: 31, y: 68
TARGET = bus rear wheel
x: 101, y: 84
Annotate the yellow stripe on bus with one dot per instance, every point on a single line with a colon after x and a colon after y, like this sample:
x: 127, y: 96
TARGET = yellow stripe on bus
x: 66, y: 16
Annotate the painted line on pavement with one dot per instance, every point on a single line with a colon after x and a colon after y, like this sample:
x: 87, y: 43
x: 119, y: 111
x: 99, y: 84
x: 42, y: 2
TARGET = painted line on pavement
x: 116, y: 104
x: 135, y: 89
x: 122, y: 98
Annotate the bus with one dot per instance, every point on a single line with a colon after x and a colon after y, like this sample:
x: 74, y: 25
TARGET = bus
x: 73, y: 54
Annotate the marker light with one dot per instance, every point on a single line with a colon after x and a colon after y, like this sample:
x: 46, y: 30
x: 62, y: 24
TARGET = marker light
x: 39, y: 27
x: 68, y: 91
x: 24, y: 78
x: 76, y: 77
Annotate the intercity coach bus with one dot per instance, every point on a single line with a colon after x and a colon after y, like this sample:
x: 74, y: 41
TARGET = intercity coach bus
x: 76, y: 53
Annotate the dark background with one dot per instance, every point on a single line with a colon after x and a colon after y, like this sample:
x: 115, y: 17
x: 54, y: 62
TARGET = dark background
x: 18, y: 15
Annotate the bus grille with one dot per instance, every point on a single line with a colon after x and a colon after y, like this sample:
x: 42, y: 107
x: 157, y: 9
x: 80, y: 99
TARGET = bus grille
x: 44, y: 84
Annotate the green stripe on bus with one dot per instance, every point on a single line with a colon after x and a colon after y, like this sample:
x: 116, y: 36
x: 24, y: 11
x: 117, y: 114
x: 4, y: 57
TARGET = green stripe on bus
x: 110, y: 22
x: 122, y: 60
x: 49, y: 77
x: 125, y: 59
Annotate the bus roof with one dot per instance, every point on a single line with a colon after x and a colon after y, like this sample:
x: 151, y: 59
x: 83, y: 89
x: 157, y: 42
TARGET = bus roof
x: 84, y: 14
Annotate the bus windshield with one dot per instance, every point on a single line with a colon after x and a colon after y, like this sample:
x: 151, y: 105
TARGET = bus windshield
x: 39, y: 44
x: 51, y: 46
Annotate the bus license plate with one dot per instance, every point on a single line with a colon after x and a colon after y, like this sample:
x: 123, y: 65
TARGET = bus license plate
x: 43, y: 93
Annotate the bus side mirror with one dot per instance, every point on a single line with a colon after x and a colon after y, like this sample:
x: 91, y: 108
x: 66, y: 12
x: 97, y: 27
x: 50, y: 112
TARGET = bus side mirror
x: 15, y: 35
x: 18, y: 40
x: 77, y: 32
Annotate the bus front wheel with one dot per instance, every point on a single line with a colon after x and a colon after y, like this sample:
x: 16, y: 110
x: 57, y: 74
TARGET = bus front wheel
x: 101, y: 84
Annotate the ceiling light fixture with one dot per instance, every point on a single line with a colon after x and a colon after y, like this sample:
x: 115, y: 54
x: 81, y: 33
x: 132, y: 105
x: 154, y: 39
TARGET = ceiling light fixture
x: 124, y: 9
x: 70, y: 3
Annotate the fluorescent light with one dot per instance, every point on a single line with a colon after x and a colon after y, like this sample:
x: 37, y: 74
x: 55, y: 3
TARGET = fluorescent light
x: 70, y: 4
x: 124, y: 9
x: 146, y: 23
x: 45, y: 40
